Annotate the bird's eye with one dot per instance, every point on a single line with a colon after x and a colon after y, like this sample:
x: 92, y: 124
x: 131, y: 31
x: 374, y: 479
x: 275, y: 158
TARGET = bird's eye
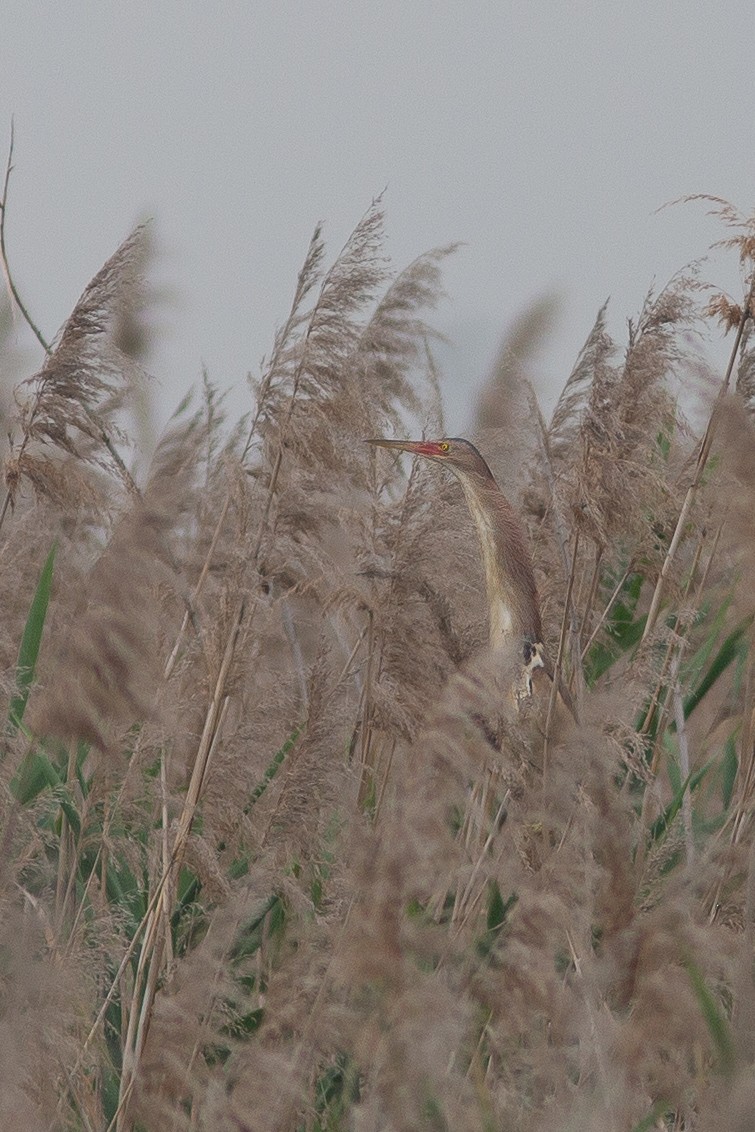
x: 444, y: 446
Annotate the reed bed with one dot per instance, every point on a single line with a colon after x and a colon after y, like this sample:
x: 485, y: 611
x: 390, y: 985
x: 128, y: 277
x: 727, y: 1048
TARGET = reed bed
x: 263, y: 867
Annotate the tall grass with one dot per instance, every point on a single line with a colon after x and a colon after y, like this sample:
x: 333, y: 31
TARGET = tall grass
x: 265, y: 866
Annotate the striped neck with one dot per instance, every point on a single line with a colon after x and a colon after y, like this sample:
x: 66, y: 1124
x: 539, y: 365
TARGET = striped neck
x: 507, y: 563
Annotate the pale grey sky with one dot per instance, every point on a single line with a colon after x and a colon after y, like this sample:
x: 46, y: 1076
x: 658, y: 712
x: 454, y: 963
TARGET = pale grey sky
x: 542, y: 135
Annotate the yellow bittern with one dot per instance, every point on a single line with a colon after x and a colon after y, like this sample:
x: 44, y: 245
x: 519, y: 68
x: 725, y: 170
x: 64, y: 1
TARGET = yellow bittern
x: 513, y: 602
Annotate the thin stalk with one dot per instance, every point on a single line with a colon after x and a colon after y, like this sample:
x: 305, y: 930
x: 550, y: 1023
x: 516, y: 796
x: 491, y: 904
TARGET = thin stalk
x: 587, y: 609
x: 747, y: 760
x: 375, y: 667
x: 5, y: 265
x: 369, y: 762
x: 702, y: 459
x: 73, y: 869
x: 366, y: 737
x: 681, y: 732
x: 384, y: 783
x: 602, y: 619
x: 742, y: 814
x: 464, y: 909
x: 153, y: 945
x: 101, y: 857
x: 66, y: 850
x: 662, y: 681
x: 165, y: 850
x: 669, y: 679
x: 562, y: 537
x: 115, y: 985
x: 559, y: 657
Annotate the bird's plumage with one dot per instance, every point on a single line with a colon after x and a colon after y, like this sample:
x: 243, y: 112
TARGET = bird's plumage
x: 513, y: 601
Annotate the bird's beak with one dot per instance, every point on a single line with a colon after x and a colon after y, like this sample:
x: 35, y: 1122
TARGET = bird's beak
x: 417, y: 447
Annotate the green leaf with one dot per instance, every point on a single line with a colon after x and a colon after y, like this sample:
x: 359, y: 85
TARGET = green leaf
x: 335, y: 1091
x: 729, y: 768
x: 497, y: 913
x: 272, y: 769
x: 715, y: 624
x: 672, y: 765
x: 82, y: 752
x: 715, y: 1020
x: 659, y: 1109
x: 33, y: 776
x: 734, y: 646
x: 496, y: 907
x: 66, y: 802
x: 250, y: 935
x: 663, y: 440
x: 621, y: 631
x: 662, y: 823
x: 242, y: 1026
x: 125, y: 888
x: 30, y: 642
x: 38, y: 770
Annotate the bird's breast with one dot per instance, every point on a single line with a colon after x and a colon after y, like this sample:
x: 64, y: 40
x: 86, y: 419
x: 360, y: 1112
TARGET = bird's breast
x: 501, y: 623
x: 501, y: 608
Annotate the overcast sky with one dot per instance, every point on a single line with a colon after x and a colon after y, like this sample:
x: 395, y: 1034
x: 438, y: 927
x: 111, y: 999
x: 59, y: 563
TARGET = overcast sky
x: 543, y: 135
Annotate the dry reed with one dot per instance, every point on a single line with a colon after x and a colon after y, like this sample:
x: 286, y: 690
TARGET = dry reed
x: 266, y: 864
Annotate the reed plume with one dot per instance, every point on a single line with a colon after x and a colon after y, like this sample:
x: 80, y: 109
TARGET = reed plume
x: 263, y: 867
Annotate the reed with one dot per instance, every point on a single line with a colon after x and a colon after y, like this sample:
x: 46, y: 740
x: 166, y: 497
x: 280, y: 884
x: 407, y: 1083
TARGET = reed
x: 263, y: 867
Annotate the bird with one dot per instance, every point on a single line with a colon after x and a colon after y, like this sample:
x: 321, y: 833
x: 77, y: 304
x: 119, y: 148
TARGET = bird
x: 513, y: 601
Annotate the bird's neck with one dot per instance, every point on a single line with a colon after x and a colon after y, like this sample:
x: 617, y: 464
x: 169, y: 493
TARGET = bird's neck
x: 512, y: 600
x: 500, y: 611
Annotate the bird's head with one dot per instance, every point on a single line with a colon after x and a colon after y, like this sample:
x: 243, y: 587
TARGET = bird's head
x: 461, y: 456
